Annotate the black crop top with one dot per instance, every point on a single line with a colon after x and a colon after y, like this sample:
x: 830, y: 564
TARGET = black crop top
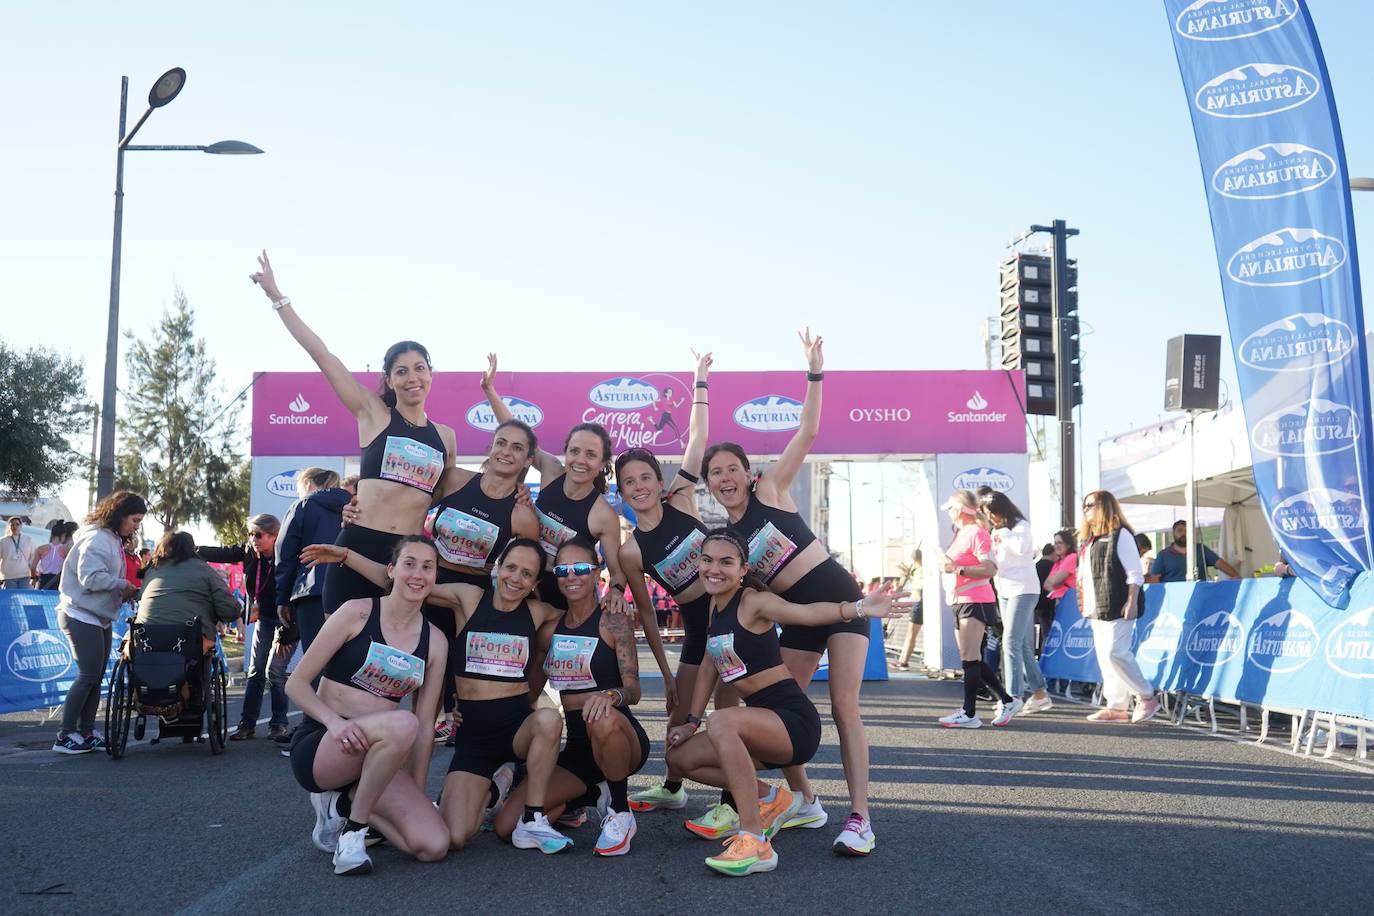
x: 470, y: 528
x: 495, y: 645
x: 737, y: 652
x: 407, y: 454
x: 774, y: 536
x: 671, y: 550
x: 560, y: 517
x: 367, y: 662
x: 579, y: 660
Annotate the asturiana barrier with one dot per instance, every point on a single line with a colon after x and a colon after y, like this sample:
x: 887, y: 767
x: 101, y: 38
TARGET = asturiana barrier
x: 38, y: 667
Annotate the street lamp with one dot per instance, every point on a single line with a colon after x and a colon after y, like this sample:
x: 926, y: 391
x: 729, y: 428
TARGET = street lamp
x: 849, y: 489
x: 167, y: 87
x: 1362, y: 184
x: 882, y: 521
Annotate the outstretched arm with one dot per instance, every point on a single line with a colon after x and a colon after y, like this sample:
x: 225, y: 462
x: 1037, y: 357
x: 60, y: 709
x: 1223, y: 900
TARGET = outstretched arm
x: 882, y: 603
x: 682, y: 493
x: 780, y: 476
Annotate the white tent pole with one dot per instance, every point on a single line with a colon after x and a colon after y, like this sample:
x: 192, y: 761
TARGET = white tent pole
x: 1190, y: 500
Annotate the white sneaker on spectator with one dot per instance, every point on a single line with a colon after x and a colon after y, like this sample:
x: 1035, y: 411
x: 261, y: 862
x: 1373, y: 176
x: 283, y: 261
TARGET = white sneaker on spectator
x: 1033, y: 705
x: 350, y: 855
x: 1005, y: 711
x: 959, y: 719
x: 328, y: 823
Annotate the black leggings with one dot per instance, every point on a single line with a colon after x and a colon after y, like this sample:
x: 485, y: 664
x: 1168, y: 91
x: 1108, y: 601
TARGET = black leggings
x: 577, y: 756
x: 696, y: 617
x: 343, y: 584
x: 798, y: 715
x: 305, y: 744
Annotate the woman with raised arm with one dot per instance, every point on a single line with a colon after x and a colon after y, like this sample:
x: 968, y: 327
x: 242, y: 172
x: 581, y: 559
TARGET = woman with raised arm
x: 404, y: 452
x: 666, y: 544
x: 778, y: 725
x: 491, y: 661
x: 362, y: 758
x: 790, y: 560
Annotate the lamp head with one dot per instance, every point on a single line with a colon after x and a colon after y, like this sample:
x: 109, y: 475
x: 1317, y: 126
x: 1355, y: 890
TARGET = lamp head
x: 232, y: 148
x: 166, y: 87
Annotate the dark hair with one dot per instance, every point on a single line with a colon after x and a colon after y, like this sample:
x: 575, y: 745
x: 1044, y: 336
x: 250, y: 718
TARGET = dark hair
x: 111, y: 511
x: 529, y: 543
x: 268, y: 523
x: 719, y: 447
x: 531, y: 443
x: 995, y: 502
x: 599, y: 483
x: 1068, y: 536
x: 1143, y: 542
x: 408, y: 540
x: 1177, y: 523
x: 393, y: 353
x: 638, y: 454
x: 732, y: 537
x: 173, y: 548
x: 581, y: 542
x: 1046, y: 550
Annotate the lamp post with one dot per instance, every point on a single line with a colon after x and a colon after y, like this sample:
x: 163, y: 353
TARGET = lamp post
x: 849, y: 490
x: 900, y: 502
x: 167, y: 87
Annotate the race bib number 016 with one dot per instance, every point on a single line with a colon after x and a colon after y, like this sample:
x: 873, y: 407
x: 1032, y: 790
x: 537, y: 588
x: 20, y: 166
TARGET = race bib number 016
x: 769, y: 549
x: 569, y: 662
x: 722, y: 651
x: 679, y: 568
x: 497, y: 654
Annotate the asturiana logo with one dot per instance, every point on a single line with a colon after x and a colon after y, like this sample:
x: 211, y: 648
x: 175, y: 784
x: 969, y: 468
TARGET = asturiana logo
x: 1297, y: 343
x: 1078, y: 639
x: 1273, y: 170
x: 1283, y: 642
x: 1161, y: 637
x: 1225, y: 20
x: 1054, y: 639
x: 1320, y: 514
x: 1255, y: 90
x: 1215, y: 639
x: 283, y: 485
x: 1287, y: 257
x: 1350, y: 645
x: 1312, y: 427
x: 977, y: 412
x: 772, y: 413
x: 298, y: 404
x: 623, y: 393
x: 481, y: 416
x: 37, y: 655
x: 974, y: 478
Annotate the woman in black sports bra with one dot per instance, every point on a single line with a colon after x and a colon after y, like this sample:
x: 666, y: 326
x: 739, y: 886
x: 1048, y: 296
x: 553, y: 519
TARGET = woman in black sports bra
x: 778, y: 726
x: 788, y: 558
x: 591, y: 659
x: 404, y: 452
x: 370, y: 655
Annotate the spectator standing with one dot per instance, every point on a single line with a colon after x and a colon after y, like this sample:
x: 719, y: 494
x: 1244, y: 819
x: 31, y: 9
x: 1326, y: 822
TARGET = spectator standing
x: 1171, y: 564
x: 1018, y: 591
x: 1044, y: 608
x: 912, y: 585
x: 16, y: 556
x: 315, y: 518
x: 49, y: 557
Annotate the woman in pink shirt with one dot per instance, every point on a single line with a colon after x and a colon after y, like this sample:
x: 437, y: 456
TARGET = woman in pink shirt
x: 969, y: 568
x: 1064, y: 573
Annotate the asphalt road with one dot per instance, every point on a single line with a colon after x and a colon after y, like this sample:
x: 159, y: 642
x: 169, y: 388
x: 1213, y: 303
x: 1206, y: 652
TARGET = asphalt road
x: 1049, y: 815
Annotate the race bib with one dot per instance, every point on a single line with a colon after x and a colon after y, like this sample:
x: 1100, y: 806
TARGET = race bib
x: 552, y: 533
x: 388, y: 672
x: 462, y: 539
x: 769, y: 549
x: 569, y: 662
x: 722, y: 651
x: 679, y: 568
x: 497, y: 655
x: 411, y: 463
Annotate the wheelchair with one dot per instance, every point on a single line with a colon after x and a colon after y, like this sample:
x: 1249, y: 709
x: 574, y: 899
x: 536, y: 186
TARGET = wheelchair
x: 162, y: 672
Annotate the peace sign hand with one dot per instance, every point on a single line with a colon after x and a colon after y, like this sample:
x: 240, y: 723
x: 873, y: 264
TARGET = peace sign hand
x: 265, y: 278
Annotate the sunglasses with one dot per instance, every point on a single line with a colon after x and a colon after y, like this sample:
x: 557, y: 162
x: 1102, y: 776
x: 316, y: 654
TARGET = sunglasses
x: 563, y: 570
x: 257, y: 534
x: 1090, y: 505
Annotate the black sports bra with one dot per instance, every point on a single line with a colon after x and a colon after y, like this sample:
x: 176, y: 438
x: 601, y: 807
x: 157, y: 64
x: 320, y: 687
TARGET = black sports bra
x: 368, y: 663
x: 407, y: 454
x: 469, y: 527
x: 671, y: 550
x: 560, y: 517
x: 739, y: 652
x: 775, y: 537
x: 495, y: 645
x: 579, y: 660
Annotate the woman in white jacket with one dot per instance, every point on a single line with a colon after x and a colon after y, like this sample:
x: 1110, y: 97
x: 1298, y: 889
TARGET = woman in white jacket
x: 1018, y: 590
x: 92, y: 589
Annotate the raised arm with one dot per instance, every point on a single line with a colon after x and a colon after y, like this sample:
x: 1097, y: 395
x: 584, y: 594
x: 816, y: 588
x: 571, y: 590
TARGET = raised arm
x: 547, y: 465
x: 780, y: 476
x: 697, y: 432
x: 355, y: 397
x: 881, y: 604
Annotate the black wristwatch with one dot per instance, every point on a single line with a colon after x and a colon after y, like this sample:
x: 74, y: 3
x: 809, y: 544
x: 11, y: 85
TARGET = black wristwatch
x: 693, y: 720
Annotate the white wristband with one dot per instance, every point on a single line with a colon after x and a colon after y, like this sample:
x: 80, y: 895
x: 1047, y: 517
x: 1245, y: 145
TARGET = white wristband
x: 859, y: 609
x: 278, y: 303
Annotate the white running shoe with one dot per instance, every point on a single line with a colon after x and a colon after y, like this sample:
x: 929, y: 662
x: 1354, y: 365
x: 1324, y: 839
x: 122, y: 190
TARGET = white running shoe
x: 603, y: 803
x: 958, y: 719
x: 856, y: 839
x: 616, y: 832
x: 503, y: 779
x: 810, y: 815
x: 539, y: 834
x: 328, y: 823
x: 350, y: 855
x: 1005, y: 711
x: 1044, y: 704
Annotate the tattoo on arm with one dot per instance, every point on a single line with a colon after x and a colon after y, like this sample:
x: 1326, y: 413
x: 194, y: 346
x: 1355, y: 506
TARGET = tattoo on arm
x: 626, y: 654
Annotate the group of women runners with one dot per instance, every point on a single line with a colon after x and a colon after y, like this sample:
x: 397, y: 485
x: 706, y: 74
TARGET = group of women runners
x: 451, y: 581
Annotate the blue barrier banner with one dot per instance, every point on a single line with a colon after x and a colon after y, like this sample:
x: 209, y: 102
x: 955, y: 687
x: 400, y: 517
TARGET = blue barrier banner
x: 1271, y: 642
x: 38, y: 667
x: 875, y: 663
x: 1273, y: 165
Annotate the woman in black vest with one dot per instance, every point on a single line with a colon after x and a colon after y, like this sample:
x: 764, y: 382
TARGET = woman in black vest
x: 1109, y: 580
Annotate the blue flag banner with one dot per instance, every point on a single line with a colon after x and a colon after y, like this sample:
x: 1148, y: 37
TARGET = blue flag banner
x: 1274, y: 170
x: 38, y: 667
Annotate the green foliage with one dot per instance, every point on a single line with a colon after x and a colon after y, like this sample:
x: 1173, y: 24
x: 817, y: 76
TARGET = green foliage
x: 42, y: 403
x: 177, y: 438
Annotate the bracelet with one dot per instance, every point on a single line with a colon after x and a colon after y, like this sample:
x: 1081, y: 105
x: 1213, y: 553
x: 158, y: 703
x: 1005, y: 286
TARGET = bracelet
x: 815, y: 376
x: 278, y: 303
x: 702, y: 386
x: 693, y: 720
x: 615, y: 696
x: 859, y: 609
x: 345, y: 556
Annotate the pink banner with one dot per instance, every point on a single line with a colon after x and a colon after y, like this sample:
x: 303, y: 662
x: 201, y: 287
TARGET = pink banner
x: 863, y: 413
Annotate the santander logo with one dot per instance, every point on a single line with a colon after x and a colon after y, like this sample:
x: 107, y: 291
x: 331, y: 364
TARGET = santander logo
x: 977, y: 411
x: 299, y: 404
x: 977, y: 402
x: 298, y: 415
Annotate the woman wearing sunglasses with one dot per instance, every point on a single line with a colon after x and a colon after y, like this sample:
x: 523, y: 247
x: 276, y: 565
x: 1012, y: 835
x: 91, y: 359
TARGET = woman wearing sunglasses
x: 496, y: 700
x: 591, y: 659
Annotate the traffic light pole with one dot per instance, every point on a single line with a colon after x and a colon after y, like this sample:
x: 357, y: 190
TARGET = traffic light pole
x: 1063, y: 367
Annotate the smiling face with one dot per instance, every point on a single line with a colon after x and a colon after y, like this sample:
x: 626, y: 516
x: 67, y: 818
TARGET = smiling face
x: 584, y: 458
x: 728, y: 480
x: 721, y: 567
x: 1061, y: 546
x: 518, y: 573
x: 639, y: 485
x: 412, y: 575
x: 573, y: 586
x: 409, y: 378
x: 510, y: 453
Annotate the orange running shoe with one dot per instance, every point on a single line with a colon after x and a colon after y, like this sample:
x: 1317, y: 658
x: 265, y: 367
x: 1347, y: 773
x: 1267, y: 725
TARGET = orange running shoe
x: 779, y: 811
x: 744, y: 854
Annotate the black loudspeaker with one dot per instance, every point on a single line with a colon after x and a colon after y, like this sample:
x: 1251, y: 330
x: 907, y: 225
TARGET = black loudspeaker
x: 1190, y: 372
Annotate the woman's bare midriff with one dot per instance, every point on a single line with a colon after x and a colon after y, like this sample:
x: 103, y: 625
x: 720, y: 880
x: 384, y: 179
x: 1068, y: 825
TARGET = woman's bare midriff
x: 748, y: 686
x: 384, y: 505
x: 474, y: 689
x: 350, y: 702
x: 813, y: 555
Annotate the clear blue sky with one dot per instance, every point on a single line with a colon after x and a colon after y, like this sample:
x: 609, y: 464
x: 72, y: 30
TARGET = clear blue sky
x: 563, y: 182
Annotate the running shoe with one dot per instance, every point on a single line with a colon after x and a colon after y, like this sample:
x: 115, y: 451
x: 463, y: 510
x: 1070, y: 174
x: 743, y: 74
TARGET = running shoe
x: 779, y: 811
x: 97, y: 743
x: 720, y: 820
x: 328, y: 823
x: 603, y: 802
x: 539, y: 834
x: 810, y: 815
x: 350, y: 855
x: 744, y: 854
x: 502, y: 779
x: 1005, y: 711
x: 960, y: 719
x: 658, y: 797
x: 69, y: 744
x: 1144, y: 710
x: 616, y: 832
x: 1044, y: 704
x: 443, y: 732
x: 856, y: 839
x: 571, y: 819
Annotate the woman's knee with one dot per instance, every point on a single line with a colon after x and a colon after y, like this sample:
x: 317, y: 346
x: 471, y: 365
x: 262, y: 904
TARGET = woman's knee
x: 400, y: 726
x: 433, y: 846
x: 603, y: 728
x: 546, y: 723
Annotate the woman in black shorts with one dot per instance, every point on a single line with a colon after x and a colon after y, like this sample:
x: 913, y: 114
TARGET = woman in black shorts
x: 404, y: 452
x: 363, y: 758
x: 591, y: 659
x: 778, y: 725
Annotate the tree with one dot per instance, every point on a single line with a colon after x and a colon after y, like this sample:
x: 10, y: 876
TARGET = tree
x: 178, y: 438
x: 42, y: 403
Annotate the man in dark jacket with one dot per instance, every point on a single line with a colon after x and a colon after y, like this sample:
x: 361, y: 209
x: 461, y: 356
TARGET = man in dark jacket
x: 269, y: 654
x: 315, y: 518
